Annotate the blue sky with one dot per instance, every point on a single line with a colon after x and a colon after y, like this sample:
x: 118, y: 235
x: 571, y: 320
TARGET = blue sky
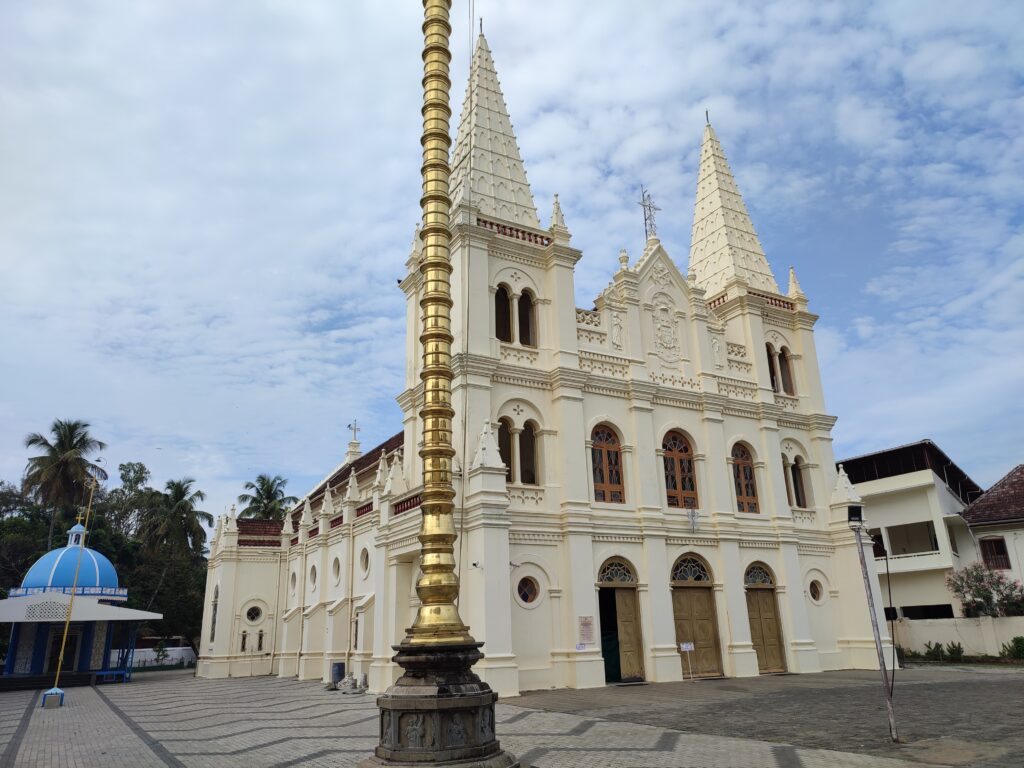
x: 204, y: 206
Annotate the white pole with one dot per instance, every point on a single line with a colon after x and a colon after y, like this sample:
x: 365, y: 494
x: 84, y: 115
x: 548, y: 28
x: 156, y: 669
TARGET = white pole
x: 878, y: 637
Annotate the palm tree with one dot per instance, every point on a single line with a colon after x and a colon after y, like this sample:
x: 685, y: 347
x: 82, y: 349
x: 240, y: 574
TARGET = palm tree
x: 267, y: 500
x: 173, y: 525
x: 59, y: 478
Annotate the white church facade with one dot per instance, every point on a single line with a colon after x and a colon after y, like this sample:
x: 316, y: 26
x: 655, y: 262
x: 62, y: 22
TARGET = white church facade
x: 652, y: 474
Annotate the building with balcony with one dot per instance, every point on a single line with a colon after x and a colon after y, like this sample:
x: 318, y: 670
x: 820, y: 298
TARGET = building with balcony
x: 914, y: 501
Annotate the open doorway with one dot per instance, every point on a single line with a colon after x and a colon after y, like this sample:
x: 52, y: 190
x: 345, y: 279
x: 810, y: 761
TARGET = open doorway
x: 621, y: 638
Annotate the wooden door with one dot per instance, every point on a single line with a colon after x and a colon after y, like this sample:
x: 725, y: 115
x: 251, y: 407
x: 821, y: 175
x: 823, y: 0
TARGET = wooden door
x: 631, y: 657
x: 694, y: 612
x: 765, y: 633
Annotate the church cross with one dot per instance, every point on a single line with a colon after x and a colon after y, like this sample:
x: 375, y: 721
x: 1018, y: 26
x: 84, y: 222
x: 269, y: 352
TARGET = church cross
x: 647, y: 203
x: 354, y: 426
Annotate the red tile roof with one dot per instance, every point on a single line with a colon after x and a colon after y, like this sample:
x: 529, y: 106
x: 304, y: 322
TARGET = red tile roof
x: 368, y: 460
x: 1003, y: 502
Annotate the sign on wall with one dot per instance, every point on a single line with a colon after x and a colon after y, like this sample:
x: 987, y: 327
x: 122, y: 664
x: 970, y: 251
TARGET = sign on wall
x: 585, y: 630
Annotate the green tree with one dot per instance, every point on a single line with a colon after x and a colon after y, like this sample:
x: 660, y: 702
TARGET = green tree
x: 127, y: 504
x: 172, y: 528
x: 59, y: 478
x: 266, y: 500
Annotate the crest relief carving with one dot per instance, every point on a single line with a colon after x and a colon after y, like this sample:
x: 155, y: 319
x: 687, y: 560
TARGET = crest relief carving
x: 666, y: 329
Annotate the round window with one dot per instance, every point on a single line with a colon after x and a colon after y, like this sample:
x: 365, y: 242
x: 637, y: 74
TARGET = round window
x: 254, y: 614
x: 364, y: 561
x: 312, y: 577
x: 528, y: 589
x: 293, y: 582
x: 815, y: 591
x: 336, y: 570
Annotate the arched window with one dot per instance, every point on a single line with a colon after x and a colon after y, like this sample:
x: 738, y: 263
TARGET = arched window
x: 616, y: 570
x: 786, y: 371
x: 759, y: 576
x: 213, y: 613
x: 245, y: 637
x: 607, y: 460
x: 505, y: 446
x: 743, y: 478
x: 796, y: 471
x: 690, y: 568
x: 680, y: 479
x: 527, y: 332
x: 503, y: 314
x: 528, y: 454
x: 772, y: 376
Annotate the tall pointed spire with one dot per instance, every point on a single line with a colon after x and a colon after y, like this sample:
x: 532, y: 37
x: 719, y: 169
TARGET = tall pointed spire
x: 499, y: 185
x: 724, y: 244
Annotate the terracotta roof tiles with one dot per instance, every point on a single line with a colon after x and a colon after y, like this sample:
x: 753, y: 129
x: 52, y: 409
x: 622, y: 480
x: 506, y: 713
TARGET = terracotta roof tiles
x: 1003, y: 502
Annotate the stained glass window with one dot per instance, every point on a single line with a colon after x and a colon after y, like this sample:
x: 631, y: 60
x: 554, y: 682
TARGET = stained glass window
x: 528, y: 590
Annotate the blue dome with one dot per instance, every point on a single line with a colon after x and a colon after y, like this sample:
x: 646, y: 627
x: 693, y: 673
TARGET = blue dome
x: 56, y: 570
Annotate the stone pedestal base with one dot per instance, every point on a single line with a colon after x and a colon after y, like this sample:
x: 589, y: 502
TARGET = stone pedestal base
x: 438, y: 712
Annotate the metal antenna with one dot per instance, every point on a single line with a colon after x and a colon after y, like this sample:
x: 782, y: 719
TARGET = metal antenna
x: 647, y: 203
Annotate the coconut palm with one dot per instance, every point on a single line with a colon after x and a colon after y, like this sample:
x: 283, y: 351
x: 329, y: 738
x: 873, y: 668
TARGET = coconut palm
x: 267, y: 500
x: 173, y: 526
x: 59, y: 478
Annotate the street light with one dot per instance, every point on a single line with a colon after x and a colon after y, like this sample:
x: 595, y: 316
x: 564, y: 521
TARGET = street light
x: 855, y: 519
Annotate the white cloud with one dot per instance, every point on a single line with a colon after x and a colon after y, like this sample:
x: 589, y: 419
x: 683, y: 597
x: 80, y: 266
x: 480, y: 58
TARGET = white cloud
x: 204, y: 208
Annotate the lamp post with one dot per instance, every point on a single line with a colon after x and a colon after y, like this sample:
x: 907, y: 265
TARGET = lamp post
x: 855, y: 519
x: 438, y: 712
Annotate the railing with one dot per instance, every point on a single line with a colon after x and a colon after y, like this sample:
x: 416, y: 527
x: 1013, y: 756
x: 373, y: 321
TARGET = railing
x: 773, y: 301
x: 406, y: 504
x: 336, y: 521
x: 997, y: 562
x: 85, y: 591
x: 259, y: 542
x: 515, y: 232
x: 364, y: 509
x: 314, y: 532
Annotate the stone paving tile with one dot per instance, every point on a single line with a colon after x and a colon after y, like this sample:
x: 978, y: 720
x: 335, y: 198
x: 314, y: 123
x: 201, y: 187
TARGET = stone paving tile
x: 178, y: 721
x: 84, y: 733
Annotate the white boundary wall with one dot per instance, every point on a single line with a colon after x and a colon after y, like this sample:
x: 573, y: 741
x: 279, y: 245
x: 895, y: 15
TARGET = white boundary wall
x: 981, y: 636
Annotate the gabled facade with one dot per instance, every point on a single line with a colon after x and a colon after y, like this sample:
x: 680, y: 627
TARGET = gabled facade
x: 651, y: 474
x: 997, y: 523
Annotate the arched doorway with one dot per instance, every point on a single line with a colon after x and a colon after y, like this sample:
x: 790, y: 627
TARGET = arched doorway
x: 693, y: 608
x: 621, y: 638
x: 763, y: 612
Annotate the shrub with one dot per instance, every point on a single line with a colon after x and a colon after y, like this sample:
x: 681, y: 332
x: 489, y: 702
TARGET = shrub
x: 955, y: 651
x: 933, y: 651
x: 1014, y: 649
x: 984, y: 592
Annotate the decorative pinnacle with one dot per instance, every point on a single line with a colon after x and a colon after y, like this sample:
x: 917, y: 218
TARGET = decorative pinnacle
x: 557, y: 218
x: 647, y: 203
x: 623, y: 260
x: 795, y: 291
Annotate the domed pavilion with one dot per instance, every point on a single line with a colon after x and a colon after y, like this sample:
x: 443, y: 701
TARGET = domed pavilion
x: 38, y: 610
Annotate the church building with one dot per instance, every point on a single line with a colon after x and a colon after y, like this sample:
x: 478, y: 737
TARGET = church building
x: 646, y: 489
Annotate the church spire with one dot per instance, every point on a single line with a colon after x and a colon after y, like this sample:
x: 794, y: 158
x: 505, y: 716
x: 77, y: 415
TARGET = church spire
x: 499, y: 186
x: 724, y: 244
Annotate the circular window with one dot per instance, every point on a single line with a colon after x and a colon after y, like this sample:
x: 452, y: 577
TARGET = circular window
x: 312, y: 577
x: 528, y: 589
x: 816, y: 591
x: 364, y: 561
x: 293, y: 582
x: 254, y: 614
x: 336, y: 570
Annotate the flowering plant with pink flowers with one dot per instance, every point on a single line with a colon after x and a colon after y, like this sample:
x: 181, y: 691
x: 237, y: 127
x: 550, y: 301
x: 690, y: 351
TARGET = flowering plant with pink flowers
x: 984, y: 592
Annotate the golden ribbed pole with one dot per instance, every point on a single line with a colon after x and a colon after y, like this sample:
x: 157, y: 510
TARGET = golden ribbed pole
x: 437, y: 620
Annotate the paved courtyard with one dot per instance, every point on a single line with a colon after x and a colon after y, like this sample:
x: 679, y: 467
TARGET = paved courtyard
x: 948, y: 717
